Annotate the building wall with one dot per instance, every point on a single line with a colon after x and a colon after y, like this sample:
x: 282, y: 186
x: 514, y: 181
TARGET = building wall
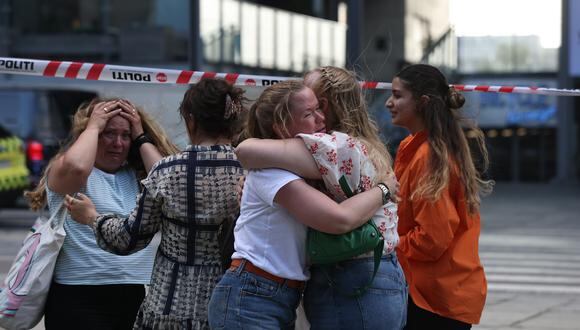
x: 382, y: 39
x: 425, y: 22
x: 395, y: 32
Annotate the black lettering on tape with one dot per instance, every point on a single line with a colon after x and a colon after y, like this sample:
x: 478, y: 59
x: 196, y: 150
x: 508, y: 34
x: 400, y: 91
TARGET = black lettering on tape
x: 266, y: 82
x: 17, y: 65
x: 132, y: 76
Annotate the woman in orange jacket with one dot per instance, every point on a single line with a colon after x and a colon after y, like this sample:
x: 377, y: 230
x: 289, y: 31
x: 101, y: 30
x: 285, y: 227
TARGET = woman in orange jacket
x: 439, y: 222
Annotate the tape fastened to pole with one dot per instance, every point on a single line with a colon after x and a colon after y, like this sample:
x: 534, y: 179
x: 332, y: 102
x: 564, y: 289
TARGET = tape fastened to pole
x: 143, y: 75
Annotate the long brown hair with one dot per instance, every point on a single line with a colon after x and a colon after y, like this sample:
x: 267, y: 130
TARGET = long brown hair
x: 444, y: 123
x: 215, y: 107
x: 347, y: 103
x: 37, y: 197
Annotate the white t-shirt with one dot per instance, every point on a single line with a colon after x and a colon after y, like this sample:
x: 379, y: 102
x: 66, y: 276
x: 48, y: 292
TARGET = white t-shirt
x: 265, y: 233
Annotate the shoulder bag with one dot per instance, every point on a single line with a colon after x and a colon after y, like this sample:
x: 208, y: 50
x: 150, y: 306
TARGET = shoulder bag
x: 25, y: 289
x: 326, y: 249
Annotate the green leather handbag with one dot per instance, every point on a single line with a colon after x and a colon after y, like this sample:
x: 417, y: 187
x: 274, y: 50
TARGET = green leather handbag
x: 325, y: 249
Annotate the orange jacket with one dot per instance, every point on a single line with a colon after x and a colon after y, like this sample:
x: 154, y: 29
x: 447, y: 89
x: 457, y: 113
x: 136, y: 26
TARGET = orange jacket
x: 438, y: 246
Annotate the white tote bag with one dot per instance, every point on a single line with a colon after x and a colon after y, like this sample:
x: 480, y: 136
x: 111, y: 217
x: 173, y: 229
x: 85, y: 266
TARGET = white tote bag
x: 25, y: 289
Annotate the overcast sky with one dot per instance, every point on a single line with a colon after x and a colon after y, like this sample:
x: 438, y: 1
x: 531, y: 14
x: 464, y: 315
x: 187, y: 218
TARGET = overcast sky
x: 508, y: 17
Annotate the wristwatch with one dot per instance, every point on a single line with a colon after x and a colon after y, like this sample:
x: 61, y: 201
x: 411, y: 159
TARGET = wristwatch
x: 386, y: 192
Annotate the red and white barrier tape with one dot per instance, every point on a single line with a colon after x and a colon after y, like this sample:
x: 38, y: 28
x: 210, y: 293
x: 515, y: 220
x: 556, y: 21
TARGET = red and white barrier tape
x: 118, y: 73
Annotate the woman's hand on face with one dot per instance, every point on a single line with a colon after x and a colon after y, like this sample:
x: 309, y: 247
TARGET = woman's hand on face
x: 130, y: 113
x: 81, y: 208
x: 101, y: 114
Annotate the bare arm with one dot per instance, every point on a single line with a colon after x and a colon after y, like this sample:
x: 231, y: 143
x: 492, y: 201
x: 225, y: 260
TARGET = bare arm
x: 317, y: 210
x: 289, y: 154
x: 149, y: 152
x: 69, y: 172
x: 150, y: 155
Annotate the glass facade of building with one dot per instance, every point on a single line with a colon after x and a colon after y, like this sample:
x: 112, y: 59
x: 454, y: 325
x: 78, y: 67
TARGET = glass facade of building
x: 157, y: 31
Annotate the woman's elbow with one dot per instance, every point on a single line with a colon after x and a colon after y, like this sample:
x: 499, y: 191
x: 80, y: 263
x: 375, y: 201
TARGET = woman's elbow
x: 74, y: 168
x: 242, y: 155
x: 80, y: 174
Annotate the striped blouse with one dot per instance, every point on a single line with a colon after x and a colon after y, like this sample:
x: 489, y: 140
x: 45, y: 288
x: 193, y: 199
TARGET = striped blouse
x: 81, y: 261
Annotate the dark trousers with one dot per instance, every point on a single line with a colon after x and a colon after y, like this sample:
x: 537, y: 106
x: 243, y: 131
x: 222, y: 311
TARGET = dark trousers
x: 98, y: 307
x: 420, y: 319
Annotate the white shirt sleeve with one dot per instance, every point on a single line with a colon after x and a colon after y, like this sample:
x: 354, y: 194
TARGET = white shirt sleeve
x: 268, y: 182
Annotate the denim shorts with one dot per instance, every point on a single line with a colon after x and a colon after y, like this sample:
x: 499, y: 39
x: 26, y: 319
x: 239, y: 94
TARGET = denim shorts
x: 383, y: 305
x: 245, y: 300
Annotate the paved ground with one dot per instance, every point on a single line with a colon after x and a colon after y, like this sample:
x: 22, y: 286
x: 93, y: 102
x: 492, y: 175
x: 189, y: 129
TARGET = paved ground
x: 530, y: 248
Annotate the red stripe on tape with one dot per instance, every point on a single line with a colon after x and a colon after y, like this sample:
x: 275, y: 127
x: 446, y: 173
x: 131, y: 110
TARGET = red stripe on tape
x: 370, y: 84
x: 232, y: 77
x: 51, y: 68
x: 95, y: 71
x: 482, y: 88
x: 208, y: 75
x: 506, y: 89
x: 73, y: 70
x: 184, y: 77
x: 459, y: 87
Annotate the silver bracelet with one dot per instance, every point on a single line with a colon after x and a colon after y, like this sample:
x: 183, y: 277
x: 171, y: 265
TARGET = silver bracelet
x: 386, y: 192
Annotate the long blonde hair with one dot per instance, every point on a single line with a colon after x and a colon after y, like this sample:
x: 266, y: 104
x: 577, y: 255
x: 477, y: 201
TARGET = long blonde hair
x: 37, y: 197
x: 347, y: 103
x: 447, y: 141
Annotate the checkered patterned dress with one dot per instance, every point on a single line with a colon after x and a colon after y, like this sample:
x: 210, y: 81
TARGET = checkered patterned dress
x: 186, y: 196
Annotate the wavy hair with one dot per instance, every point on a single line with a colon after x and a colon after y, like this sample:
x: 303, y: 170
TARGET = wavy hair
x: 346, y: 102
x: 37, y: 197
x: 445, y: 124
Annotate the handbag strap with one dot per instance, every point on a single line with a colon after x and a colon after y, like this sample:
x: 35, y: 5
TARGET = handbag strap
x: 378, y: 252
x: 57, y: 218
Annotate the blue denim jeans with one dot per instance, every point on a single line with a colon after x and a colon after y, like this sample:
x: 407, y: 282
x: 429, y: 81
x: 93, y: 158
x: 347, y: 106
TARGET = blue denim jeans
x: 382, y: 306
x: 245, y: 300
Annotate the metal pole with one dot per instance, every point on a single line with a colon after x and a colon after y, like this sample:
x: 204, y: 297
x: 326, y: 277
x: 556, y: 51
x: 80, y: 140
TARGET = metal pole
x: 106, y: 22
x: 354, y: 15
x: 194, y: 36
x: 566, y: 133
x: 5, y: 27
x: 222, y: 33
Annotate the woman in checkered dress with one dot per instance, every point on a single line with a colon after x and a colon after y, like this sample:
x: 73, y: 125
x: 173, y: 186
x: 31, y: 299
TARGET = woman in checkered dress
x: 186, y: 197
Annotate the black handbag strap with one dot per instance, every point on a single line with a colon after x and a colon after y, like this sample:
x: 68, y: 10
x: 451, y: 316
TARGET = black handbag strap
x: 378, y: 252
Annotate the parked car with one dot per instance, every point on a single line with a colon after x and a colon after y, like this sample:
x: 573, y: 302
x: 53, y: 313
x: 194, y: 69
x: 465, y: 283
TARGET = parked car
x: 14, y: 175
x: 41, y: 118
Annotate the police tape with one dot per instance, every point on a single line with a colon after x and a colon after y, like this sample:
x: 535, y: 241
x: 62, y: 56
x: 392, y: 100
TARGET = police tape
x: 132, y: 74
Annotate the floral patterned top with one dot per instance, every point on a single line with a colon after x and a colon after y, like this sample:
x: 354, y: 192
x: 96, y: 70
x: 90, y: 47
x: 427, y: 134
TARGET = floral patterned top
x: 337, y: 155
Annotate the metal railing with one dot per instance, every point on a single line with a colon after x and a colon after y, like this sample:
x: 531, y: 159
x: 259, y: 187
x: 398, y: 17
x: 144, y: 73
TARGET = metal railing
x: 443, y: 52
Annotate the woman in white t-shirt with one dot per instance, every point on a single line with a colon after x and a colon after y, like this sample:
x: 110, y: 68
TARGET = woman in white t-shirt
x: 262, y: 288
